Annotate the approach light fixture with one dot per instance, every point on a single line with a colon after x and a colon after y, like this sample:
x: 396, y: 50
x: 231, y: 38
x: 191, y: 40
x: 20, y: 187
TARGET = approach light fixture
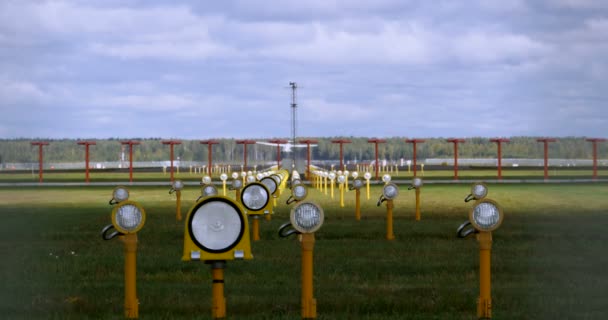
x: 177, y: 187
x: 389, y: 193
x: 479, y: 191
x: 206, y: 180
x: 386, y: 178
x: 298, y: 193
x: 119, y: 194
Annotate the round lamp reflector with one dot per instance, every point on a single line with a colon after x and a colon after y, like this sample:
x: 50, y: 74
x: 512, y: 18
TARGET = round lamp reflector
x: 367, y: 176
x: 341, y: 179
x: 299, y: 192
x: 357, y: 183
x: 235, y: 175
x: 486, y: 215
x: 178, y: 185
x: 479, y: 190
x: 250, y: 179
x: 255, y: 197
x: 390, y: 191
x: 120, y: 194
x: 237, y: 184
x: 307, y: 217
x: 417, y: 182
x: 206, y: 180
x: 355, y: 174
x: 270, y: 184
x: 216, y: 225
x: 277, y: 178
x: 331, y: 175
x: 386, y: 178
x: 243, y: 174
x: 128, y: 217
x: 259, y: 176
x: 209, y: 190
x: 223, y: 177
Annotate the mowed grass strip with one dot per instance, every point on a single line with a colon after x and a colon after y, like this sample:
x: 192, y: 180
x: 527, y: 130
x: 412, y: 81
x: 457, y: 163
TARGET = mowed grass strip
x: 548, y: 258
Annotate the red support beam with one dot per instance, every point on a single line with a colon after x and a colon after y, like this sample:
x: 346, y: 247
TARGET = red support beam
x: 209, y: 144
x: 594, y: 141
x: 40, y: 144
x: 341, y: 142
x: 308, y: 142
x: 414, y: 142
x: 130, y: 143
x: 86, y: 145
x: 278, y: 142
x: 245, y: 143
x: 171, y: 143
x: 499, y: 142
x: 455, y: 142
x: 546, y: 141
x: 376, y: 141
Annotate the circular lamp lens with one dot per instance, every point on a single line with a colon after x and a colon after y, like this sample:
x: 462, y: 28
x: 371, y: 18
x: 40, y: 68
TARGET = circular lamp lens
x: 255, y: 196
x: 120, y: 194
x: 386, y: 178
x: 331, y: 175
x: 270, y: 184
x: 128, y: 217
x: 355, y: 174
x: 479, y: 190
x: 223, y: 177
x: 178, y: 185
x: 209, y: 190
x: 249, y: 173
x: 307, y: 217
x: 346, y: 173
x: 417, y: 182
x: 341, y: 179
x: 235, y: 175
x: 299, y: 192
x: 357, y: 183
x: 237, y: 183
x: 277, y: 178
x: 296, y: 182
x: 390, y: 191
x: 206, y: 180
x: 250, y: 179
x: 216, y: 225
x: 339, y: 172
x: 243, y: 174
x: 367, y: 176
x: 486, y: 215
x: 259, y: 176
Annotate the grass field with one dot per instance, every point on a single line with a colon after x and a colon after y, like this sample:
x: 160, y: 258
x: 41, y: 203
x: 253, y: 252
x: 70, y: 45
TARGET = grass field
x: 548, y: 259
x: 481, y: 174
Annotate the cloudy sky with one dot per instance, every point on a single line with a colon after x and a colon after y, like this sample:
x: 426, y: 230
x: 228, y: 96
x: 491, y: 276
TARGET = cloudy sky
x: 204, y: 69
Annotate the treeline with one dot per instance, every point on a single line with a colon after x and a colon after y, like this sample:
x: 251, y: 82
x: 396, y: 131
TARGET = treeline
x: 228, y: 151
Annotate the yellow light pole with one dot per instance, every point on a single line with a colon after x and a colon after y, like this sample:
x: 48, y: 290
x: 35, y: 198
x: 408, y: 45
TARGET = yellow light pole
x: 416, y: 185
x: 341, y: 183
x: 306, y: 218
x: 325, y: 175
x: 367, y: 176
x: 389, y: 193
x: 332, y: 177
x: 357, y: 184
x: 128, y: 217
x: 177, y: 187
x: 346, y: 182
x: 223, y: 177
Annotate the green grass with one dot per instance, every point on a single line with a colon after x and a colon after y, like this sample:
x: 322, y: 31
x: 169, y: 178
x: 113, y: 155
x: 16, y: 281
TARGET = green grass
x: 548, y: 258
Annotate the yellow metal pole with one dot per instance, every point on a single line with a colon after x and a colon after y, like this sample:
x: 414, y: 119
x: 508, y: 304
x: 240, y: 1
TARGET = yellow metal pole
x: 224, y: 187
x: 346, y: 183
x: 358, y: 205
x: 389, y: 220
x: 131, y: 302
x: 218, y: 309
x: 325, y: 184
x: 417, y: 204
x: 367, y: 189
x: 342, y: 195
x: 256, y: 228
x: 332, y: 188
x: 484, y: 302
x: 309, y: 303
x: 178, y: 209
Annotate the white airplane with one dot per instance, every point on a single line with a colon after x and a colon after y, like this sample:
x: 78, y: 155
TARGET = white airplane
x: 286, y: 147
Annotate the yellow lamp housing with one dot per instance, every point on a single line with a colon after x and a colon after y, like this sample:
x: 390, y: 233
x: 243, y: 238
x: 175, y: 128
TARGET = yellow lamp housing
x: 128, y: 217
x: 307, y: 217
x: 255, y: 198
x: 119, y: 194
x: 298, y: 193
x: 479, y: 191
x: 216, y: 229
x: 486, y: 215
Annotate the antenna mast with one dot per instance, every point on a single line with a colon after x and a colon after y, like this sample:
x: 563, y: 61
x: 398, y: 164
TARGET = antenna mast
x: 294, y: 107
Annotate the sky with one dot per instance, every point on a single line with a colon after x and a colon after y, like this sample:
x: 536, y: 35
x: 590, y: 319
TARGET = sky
x: 383, y: 68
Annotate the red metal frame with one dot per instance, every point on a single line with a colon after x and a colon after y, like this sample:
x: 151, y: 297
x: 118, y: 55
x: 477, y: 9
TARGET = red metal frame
x: 414, y: 142
x: 546, y: 141
x: 86, y: 145
x: 209, y: 144
x: 40, y: 144
x: 499, y: 142
x: 308, y: 142
x: 341, y: 142
x: 376, y: 141
x: 594, y: 141
x: 455, y: 142
x: 171, y: 143
x: 245, y: 143
x: 278, y: 142
x: 130, y: 143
